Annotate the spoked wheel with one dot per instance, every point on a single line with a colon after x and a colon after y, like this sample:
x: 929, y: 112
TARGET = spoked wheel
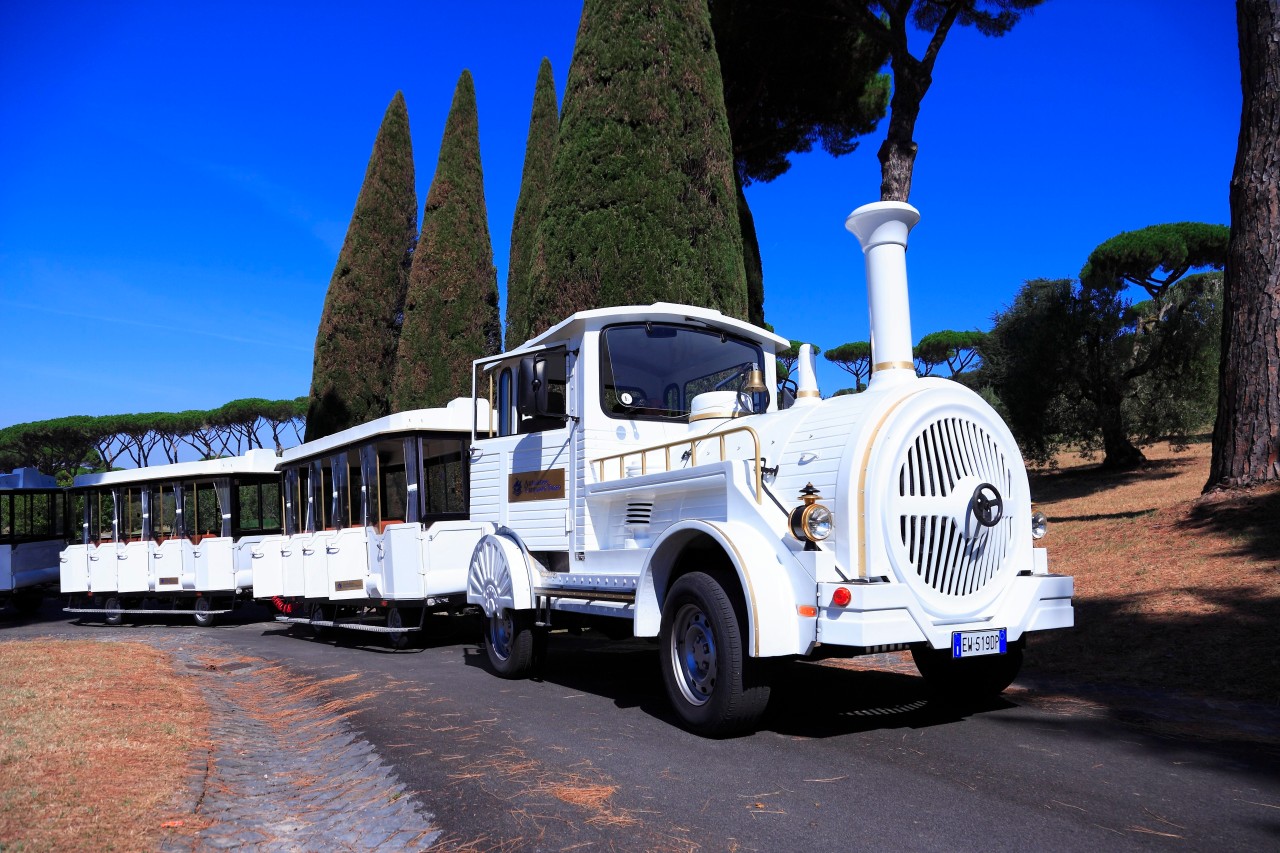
x: 714, y: 687
x: 113, y: 616
x: 509, y: 640
x: 204, y: 618
x: 400, y: 639
x: 967, y: 681
x: 317, y: 615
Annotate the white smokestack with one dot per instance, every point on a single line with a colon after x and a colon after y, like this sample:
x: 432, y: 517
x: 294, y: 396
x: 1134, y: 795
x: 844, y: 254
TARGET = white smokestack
x: 806, y: 378
x: 882, y: 230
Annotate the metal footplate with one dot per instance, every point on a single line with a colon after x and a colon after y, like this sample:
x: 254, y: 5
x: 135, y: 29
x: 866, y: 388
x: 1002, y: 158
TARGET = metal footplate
x: 144, y: 612
x: 353, y: 626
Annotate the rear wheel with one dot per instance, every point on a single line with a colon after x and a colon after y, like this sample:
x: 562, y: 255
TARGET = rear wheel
x: 967, y: 680
x: 317, y: 614
x: 204, y: 618
x: 509, y: 639
x: 113, y: 616
x: 400, y: 639
x: 714, y: 687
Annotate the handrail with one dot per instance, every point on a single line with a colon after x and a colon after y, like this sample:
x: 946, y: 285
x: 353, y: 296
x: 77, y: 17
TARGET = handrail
x: 692, y: 442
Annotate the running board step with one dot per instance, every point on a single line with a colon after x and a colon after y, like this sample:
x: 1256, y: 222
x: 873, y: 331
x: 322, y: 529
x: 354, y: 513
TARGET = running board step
x: 585, y: 594
x: 354, y: 626
x: 144, y: 612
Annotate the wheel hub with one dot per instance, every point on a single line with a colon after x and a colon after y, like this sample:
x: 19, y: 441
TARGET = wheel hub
x: 695, y: 654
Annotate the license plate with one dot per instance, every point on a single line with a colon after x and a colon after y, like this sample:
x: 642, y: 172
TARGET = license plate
x: 972, y: 644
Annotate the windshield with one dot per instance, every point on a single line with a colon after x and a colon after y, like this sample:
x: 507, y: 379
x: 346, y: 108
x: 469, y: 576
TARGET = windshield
x: 654, y: 371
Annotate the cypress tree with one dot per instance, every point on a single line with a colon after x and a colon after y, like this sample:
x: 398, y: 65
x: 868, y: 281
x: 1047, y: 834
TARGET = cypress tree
x: 751, y: 257
x: 642, y: 204
x: 451, y: 310
x: 539, y: 154
x: 356, y: 343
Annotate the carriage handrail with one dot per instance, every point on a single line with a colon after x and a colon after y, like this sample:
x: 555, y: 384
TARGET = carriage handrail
x: 692, y: 442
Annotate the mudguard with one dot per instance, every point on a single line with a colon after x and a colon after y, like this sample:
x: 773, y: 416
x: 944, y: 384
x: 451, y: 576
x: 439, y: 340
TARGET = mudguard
x: 764, y: 579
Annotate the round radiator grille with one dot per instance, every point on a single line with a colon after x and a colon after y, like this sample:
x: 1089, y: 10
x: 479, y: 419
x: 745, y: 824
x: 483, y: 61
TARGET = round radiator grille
x: 942, y: 455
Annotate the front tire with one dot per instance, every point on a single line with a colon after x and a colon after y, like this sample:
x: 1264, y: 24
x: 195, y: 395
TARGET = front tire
x: 397, y: 640
x: 204, y: 619
x: 317, y: 614
x: 509, y: 640
x: 113, y: 616
x: 713, y: 686
x: 967, y: 681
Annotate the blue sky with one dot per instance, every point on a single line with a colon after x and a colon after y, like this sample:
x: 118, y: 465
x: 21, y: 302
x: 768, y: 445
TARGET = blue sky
x: 176, y: 180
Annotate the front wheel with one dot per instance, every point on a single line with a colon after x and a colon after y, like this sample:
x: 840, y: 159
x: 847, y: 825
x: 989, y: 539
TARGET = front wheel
x: 509, y: 640
x: 399, y: 639
x: 317, y: 614
x: 204, y: 619
x: 714, y: 687
x: 114, y: 615
x: 967, y: 680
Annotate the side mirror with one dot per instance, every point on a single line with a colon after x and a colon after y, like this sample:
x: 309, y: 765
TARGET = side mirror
x: 541, y: 382
x: 531, y: 397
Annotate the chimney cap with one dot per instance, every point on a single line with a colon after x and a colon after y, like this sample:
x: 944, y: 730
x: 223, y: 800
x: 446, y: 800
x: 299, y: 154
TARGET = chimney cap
x: 882, y: 222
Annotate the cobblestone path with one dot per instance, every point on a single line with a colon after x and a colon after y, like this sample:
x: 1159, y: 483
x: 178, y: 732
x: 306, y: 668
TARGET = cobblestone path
x: 285, y: 770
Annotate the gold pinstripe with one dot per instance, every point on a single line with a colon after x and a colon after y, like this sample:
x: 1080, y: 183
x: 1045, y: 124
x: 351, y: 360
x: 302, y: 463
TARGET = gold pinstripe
x: 862, y: 484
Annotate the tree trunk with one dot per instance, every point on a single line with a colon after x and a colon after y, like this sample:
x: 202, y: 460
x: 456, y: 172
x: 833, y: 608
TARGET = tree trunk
x: 1246, y: 437
x: 898, y: 152
x: 1119, y: 453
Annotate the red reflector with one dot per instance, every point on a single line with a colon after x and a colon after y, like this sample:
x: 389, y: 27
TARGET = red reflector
x: 841, y: 597
x: 384, y: 604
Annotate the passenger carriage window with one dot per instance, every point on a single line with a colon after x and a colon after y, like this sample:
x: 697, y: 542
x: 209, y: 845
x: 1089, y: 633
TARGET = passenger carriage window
x: 99, y: 515
x: 6, y: 516
x: 355, y: 510
x: 164, y: 506
x: 392, y: 491
x: 207, y: 517
x: 445, y: 477
x: 258, y: 507
x: 131, y: 513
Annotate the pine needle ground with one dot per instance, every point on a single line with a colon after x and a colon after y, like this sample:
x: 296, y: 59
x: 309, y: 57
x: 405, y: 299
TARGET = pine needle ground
x: 94, y: 744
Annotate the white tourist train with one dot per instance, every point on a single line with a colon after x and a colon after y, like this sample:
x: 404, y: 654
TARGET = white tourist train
x: 32, y: 531
x: 165, y: 539
x: 632, y: 469
x: 641, y: 471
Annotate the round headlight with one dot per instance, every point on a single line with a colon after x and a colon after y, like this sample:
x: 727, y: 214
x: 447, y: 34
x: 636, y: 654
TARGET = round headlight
x: 1039, y: 525
x: 811, y: 522
x: 817, y: 522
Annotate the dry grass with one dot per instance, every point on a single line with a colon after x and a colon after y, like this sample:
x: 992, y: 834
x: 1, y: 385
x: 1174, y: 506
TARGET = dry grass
x: 1172, y: 589
x: 94, y: 744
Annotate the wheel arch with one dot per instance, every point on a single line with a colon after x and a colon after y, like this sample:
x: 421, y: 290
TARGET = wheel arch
x: 762, y: 585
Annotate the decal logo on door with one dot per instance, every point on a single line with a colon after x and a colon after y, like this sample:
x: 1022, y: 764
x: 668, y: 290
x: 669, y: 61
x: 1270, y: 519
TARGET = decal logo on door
x: 536, y: 486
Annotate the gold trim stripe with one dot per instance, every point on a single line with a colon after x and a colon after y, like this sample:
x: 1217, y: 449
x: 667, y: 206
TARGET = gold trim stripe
x: 862, y: 484
x: 800, y: 394
x: 750, y: 590
x: 890, y: 365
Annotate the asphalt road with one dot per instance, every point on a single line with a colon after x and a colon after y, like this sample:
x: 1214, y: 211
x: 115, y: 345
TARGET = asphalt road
x: 588, y: 757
